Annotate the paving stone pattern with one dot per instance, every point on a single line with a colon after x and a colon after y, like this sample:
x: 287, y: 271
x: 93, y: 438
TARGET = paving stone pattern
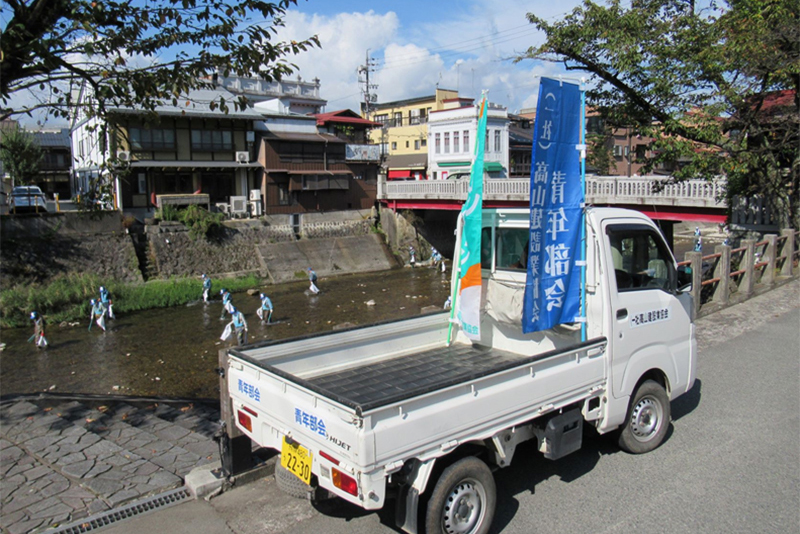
x: 61, y: 461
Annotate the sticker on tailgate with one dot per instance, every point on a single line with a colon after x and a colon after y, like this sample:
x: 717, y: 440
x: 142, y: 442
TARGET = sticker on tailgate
x: 317, y: 425
x: 248, y: 389
x: 310, y: 421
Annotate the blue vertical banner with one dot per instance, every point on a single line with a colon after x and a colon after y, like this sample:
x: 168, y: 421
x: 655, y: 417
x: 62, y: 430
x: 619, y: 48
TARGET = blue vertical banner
x: 553, y: 284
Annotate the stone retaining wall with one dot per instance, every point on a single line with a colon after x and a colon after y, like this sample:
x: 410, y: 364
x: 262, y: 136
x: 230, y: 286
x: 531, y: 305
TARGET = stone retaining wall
x: 109, y: 256
x: 36, y: 250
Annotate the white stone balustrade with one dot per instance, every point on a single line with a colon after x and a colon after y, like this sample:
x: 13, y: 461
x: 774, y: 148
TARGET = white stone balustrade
x: 654, y: 190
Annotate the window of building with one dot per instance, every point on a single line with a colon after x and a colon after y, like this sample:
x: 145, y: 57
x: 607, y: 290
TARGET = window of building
x: 407, y: 144
x: 466, y: 140
x: 456, y: 147
x: 383, y: 119
x: 486, y: 145
x: 424, y: 142
x: 447, y: 142
x: 416, y: 144
x: 212, y: 140
x: 151, y: 139
x: 437, y: 143
x: 394, y: 145
x: 398, y: 118
x: 497, y: 140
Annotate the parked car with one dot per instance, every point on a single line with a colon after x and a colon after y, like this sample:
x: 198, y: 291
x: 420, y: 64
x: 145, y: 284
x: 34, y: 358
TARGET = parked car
x: 26, y: 198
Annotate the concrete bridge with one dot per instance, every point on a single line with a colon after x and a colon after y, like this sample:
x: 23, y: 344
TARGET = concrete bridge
x: 656, y: 196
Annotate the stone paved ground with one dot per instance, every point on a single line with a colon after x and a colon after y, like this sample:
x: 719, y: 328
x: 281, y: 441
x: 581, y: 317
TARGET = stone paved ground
x: 62, y: 460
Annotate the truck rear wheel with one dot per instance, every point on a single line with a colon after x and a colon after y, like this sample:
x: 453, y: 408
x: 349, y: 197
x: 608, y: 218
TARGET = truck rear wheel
x: 648, y: 419
x: 463, y: 500
x: 288, y: 483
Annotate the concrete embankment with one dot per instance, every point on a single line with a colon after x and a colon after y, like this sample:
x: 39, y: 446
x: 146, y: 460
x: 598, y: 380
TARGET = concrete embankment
x: 277, y: 248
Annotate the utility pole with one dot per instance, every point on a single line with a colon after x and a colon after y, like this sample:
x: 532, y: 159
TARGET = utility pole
x: 363, y: 80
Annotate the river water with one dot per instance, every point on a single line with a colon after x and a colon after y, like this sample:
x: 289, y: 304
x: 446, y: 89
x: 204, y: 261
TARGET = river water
x: 173, y: 351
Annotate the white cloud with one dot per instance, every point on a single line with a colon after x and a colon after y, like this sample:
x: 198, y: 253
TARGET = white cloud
x: 344, y: 41
x: 413, y: 57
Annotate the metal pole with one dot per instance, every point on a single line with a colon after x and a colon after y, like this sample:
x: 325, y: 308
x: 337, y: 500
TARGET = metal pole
x: 582, y: 148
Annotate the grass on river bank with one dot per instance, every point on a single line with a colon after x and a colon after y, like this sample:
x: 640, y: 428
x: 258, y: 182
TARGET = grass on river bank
x: 66, y: 298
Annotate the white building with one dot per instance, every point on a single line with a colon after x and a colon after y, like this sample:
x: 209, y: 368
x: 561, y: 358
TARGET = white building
x: 452, y: 135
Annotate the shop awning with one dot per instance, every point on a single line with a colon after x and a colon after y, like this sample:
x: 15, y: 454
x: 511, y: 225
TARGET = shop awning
x: 488, y: 166
x: 492, y: 166
x: 455, y: 164
x: 403, y: 173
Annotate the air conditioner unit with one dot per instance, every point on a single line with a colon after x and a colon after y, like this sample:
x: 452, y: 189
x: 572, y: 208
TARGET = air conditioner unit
x: 255, y: 194
x: 243, y: 157
x: 238, y: 206
x: 123, y: 155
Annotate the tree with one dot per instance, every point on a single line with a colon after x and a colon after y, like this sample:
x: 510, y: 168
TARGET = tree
x: 21, y: 155
x: 718, y: 90
x: 135, y: 54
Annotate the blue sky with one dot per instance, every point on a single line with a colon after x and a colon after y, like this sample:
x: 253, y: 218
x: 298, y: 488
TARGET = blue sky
x: 464, y: 45
x: 459, y: 45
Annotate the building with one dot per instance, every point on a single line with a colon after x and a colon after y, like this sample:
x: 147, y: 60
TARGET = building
x: 186, y: 146
x: 452, y: 137
x: 285, y: 96
x: 56, y: 166
x: 316, y: 163
x: 520, y: 145
x: 404, y: 136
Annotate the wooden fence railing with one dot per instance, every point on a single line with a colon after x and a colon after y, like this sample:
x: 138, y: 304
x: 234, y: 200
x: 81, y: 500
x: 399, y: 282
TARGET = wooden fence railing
x: 735, y: 274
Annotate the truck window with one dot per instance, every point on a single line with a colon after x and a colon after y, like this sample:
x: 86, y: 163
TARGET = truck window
x: 640, y: 257
x: 511, y: 249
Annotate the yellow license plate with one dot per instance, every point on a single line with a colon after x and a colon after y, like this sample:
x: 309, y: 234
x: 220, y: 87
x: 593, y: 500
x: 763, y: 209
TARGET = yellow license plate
x: 296, y: 459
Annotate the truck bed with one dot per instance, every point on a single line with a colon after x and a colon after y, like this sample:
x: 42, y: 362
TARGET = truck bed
x: 377, y: 384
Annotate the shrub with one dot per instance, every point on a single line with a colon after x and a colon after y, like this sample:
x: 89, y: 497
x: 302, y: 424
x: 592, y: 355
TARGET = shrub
x: 199, y: 221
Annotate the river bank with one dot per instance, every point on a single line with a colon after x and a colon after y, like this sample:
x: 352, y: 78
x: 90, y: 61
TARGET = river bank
x: 66, y: 298
x: 173, y: 351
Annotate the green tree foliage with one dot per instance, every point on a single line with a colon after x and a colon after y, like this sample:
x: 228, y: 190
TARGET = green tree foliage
x: 135, y: 54
x: 21, y: 156
x: 716, y: 88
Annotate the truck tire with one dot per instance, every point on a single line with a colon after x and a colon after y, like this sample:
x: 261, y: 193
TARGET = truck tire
x: 648, y: 419
x: 288, y: 483
x: 463, y: 500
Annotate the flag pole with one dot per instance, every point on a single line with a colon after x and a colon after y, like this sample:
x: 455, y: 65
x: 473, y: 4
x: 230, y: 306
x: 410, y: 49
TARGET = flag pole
x: 583, y: 210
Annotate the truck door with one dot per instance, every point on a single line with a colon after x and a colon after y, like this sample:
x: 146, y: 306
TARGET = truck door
x: 651, y: 325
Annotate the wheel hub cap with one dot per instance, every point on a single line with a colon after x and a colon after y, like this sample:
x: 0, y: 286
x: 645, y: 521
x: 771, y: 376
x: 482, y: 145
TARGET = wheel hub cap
x: 464, y: 508
x: 646, y: 419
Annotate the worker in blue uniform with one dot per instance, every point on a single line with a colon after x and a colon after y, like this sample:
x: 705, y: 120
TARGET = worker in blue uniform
x: 265, y: 311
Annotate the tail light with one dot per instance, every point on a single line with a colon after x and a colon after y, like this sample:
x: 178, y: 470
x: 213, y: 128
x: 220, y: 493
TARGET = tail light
x: 244, y: 419
x: 344, y: 482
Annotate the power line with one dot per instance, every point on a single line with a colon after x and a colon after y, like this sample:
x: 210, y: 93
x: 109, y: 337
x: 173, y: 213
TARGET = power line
x: 456, y: 50
x: 399, y: 64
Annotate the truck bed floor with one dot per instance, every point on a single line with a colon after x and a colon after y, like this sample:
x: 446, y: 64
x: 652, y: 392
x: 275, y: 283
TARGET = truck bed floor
x: 381, y: 383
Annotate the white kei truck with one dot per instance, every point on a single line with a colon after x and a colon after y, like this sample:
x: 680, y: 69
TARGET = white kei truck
x: 399, y: 410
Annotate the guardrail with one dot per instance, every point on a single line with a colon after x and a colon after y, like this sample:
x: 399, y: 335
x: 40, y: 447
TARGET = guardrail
x: 599, y: 190
x: 734, y: 274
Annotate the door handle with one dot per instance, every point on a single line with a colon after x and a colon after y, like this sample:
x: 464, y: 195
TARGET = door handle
x: 622, y: 313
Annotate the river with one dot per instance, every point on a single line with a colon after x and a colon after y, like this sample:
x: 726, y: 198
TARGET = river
x: 173, y: 352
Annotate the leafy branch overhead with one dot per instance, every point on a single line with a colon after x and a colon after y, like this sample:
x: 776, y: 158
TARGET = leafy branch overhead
x: 136, y: 54
x: 716, y: 88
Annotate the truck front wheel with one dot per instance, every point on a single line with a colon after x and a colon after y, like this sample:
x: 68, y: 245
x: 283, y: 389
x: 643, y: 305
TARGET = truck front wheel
x: 463, y: 500
x: 648, y: 419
